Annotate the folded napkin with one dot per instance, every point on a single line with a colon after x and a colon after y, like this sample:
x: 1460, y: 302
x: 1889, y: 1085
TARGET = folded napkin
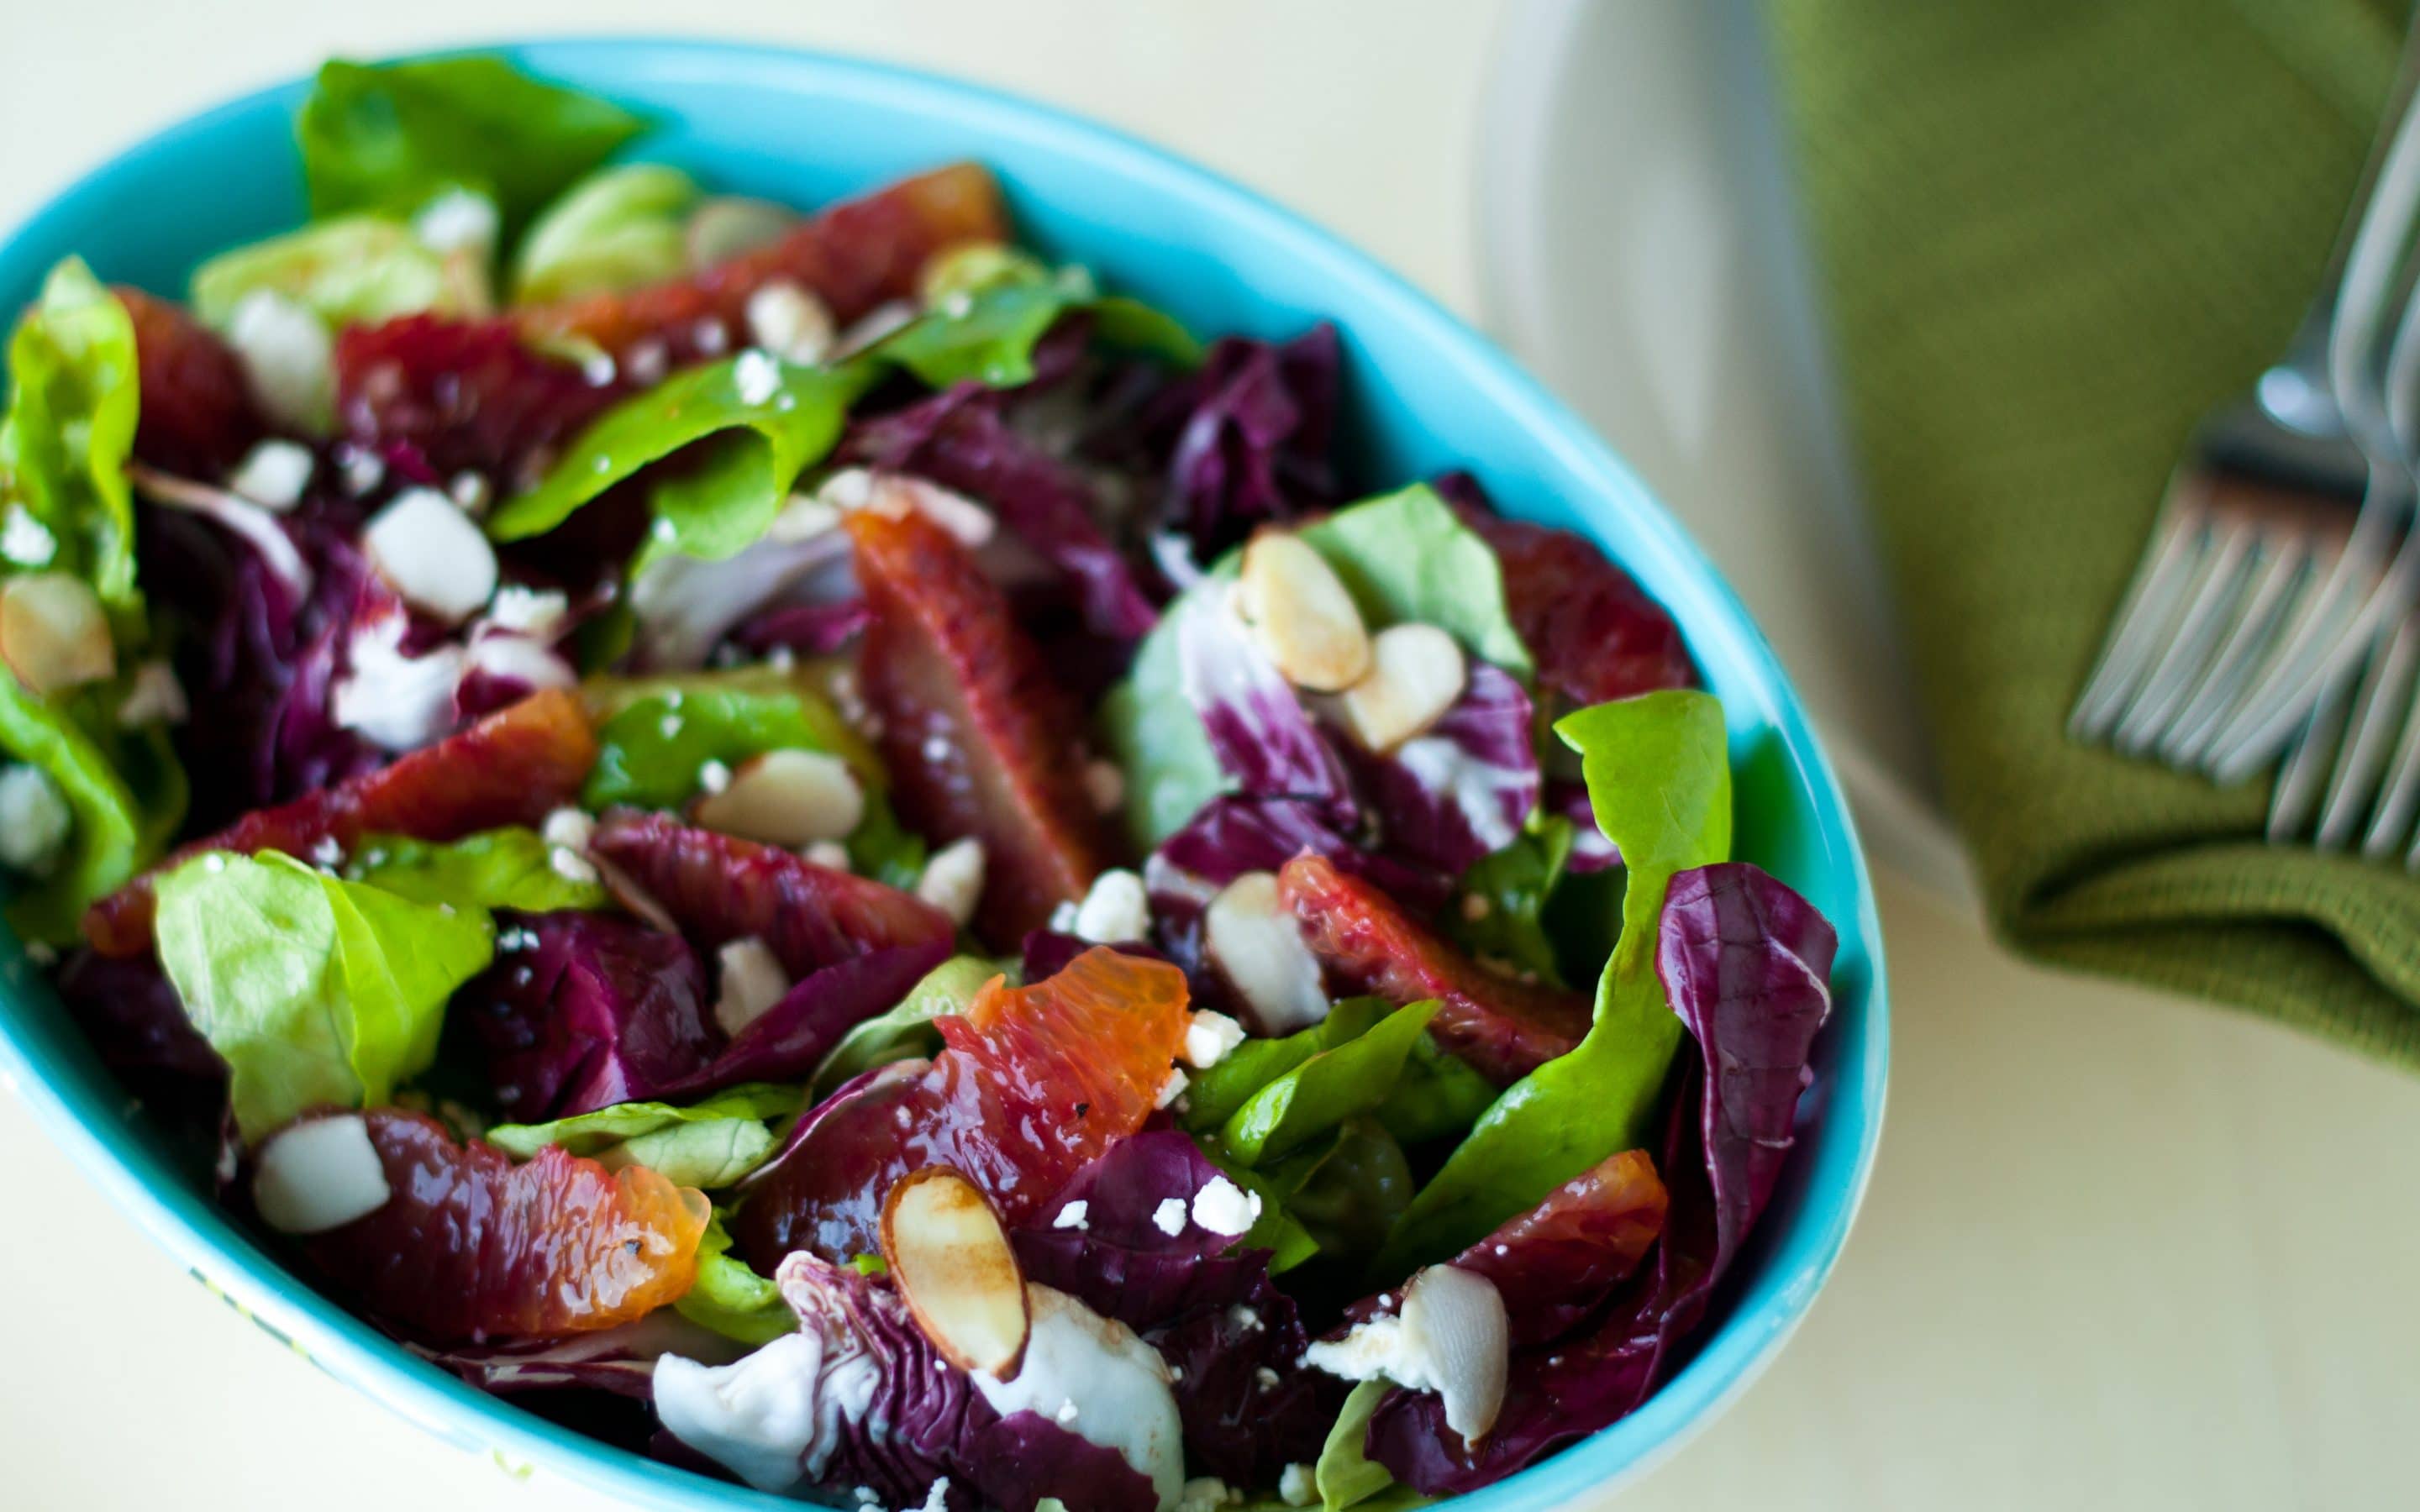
x: 2054, y: 234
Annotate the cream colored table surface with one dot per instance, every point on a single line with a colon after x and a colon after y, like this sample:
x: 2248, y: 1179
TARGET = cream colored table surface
x: 2120, y: 1250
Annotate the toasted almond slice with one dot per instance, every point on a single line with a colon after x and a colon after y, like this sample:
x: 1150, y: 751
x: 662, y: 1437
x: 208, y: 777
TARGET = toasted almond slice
x: 53, y: 633
x: 950, y: 1260
x: 430, y: 552
x: 1416, y: 673
x: 751, y: 982
x: 1254, y: 942
x: 318, y: 1175
x: 1301, y: 614
x: 1454, y: 1320
x: 788, y: 798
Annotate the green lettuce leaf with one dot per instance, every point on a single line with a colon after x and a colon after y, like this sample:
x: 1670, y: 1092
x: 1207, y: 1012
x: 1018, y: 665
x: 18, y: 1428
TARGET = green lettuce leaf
x: 1216, y: 1093
x: 391, y: 136
x: 1151, y: 730
x: 1435, y: 1095
x: 1346, y: 1476
x: 1404, y: 556
x: 731, y: 1299
x: 124, y: 790
x: 314, y: 990
x: 1334, y: 1085
x: 986, y: 334
x: 651, y: 751
x: 710, y: 1144
x: 509, y: 868
x: 755, y: 422
x: 617, y: 229
x: 906, y: 1031
x: 354, y: 269
x: 74, y: 396
x: 1659, y: 782
x: 1276, y: 1230
x: 1347, y: 1188
x: 1511, y: 887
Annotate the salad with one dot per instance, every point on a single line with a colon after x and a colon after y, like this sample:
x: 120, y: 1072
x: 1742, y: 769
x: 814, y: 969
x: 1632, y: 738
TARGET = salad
x: 811, y: 843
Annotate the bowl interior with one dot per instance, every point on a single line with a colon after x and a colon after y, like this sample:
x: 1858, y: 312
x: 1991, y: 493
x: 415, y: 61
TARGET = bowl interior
x: 1423, y: 393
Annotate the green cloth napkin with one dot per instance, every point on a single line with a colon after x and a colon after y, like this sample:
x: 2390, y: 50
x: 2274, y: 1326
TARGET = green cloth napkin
x: 2054, y: 234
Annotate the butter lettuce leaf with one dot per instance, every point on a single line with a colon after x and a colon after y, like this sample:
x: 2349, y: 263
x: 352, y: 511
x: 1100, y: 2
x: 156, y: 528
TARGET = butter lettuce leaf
x: 353, y: 269
x: 124, y: 790
x: 731, y: 1299
x: 617, y: 229
x: 509, y: 868
x: 391, y: 136
x: 710, y: 1144
x: 1406, y: 557
x: 74, y: 397
x: 314, y: 990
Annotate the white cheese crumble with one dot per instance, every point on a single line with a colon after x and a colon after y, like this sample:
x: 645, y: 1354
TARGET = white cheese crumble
x: 1210, y: 1038
x: 1298, y: 1485
x: 1113, y: 909
x: 713, y: 777
x: 395, y: 701
x: 953, y: 879
x: 1169, y: 1218
x: 289, y: 356
x: 1172, y: 1088
x: 755, y: 377
x: 1075, y: 1214
x: 1224, y: 1208
x: 26, y: 540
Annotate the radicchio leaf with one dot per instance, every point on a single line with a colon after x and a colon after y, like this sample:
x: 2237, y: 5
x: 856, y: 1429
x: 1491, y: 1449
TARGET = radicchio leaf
x: 1257, y: 726
x: 960, y: 441
x: 1250, y: 1409
x: 1463, y: 788
x: 1251, y: 430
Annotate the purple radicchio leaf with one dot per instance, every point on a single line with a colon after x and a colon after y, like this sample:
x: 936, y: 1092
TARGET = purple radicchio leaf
x: 1251, y: 432
x: 1259, y: 731
x: 960, y: 441
x: 802, y: 629
x: 1248, y: 1408
x: 619, y: 1360
x: 130, y: 1011
x: 1463, y: 788
x: 866, y: 1400
x: 1744, y: 962
x: 583, y: 1011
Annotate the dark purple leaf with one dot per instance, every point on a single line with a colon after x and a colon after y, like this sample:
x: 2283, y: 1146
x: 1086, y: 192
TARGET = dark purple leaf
x: 1463, y: 789
x: 1249, y: 1409
x: 1251, y: 431
x: 960, y: 441
x: 1744, y: 962
x: 902, y: 1416
x: 1048, y: 951
x: 804, y: 630
x: 618, y: 1360
x: 130, y: 1011
x: 582, y: 1011
x: 1259, y: 731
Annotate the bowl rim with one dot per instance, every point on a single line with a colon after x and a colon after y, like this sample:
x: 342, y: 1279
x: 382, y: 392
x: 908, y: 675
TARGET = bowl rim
x: 1724, y: 1360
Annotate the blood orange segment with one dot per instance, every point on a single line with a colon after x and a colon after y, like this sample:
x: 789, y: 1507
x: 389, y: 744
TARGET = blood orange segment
x: 721, y: 888
x: 1595, y: 634
x: 510, y: 768
x: 1503, y: 1027
x: 198, y: 413
x: 1555, y: 1263
x: 469, y: 1246
x: 978, y: 738
x: 1034, y: 1083
x: 853, y: 256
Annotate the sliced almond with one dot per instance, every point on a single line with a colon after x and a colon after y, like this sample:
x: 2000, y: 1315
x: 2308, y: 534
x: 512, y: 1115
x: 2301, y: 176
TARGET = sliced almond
x: 790, y: 798
x: 433, y: 555
x: 1416, y: 673
x: 785, y: 319
x: 751, y: 981
x: 318, y: 1175
x: 1454, y: 1323
x: 53, y: 632
x: 950, y: 1260
x: 1300, y: 613
x: 1253, y: 938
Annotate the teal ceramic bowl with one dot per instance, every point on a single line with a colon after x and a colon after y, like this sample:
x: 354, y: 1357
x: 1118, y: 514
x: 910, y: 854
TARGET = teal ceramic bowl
x: 1424, y: 394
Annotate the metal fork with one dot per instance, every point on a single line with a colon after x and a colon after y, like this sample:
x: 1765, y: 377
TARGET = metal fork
x: 2276, y: 532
